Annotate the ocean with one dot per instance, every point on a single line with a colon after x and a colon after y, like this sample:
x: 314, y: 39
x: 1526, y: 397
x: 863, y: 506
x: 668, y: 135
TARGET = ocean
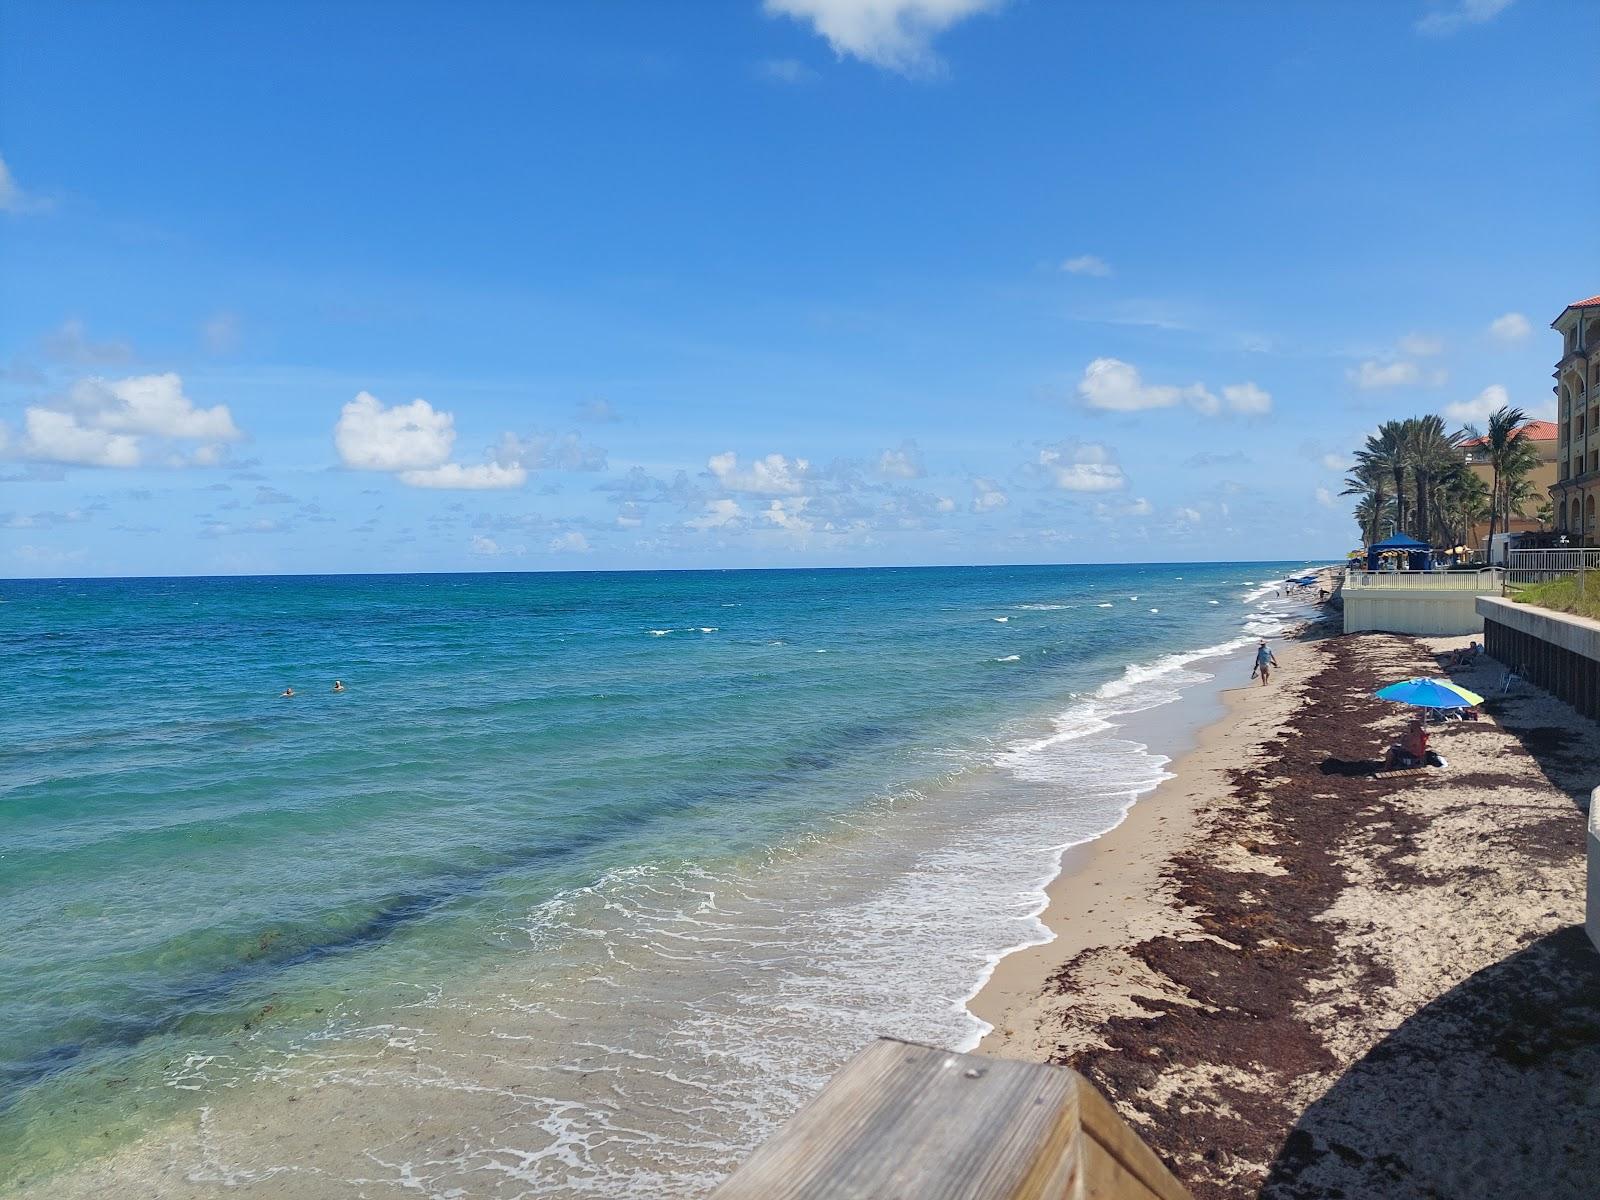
x: 582, y: 885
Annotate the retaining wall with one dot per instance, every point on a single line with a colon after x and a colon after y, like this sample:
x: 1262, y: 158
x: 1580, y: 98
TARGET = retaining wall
x: 1555, y: 651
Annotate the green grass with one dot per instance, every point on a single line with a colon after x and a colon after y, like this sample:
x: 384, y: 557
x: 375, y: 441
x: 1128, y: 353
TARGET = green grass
x: 1562, y: 595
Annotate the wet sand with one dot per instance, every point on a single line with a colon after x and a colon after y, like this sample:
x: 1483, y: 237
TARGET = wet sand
x: 1299, y: 974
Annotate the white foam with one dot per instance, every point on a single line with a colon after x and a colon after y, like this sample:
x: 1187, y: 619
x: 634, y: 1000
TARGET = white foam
x: 1107, y: 604
x: 1002, y: 620
x: 1010, y: 658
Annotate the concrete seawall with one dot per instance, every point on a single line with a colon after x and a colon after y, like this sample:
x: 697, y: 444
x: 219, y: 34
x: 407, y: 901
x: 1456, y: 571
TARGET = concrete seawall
x: 1591, y: 908
x: 1555, y: 651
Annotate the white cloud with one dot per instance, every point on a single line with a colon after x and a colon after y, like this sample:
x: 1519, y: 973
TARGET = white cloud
x: 537, y: 452
x: 1336, y: 462
x: 773, y: 475
x: 480, y: 477
x: 895, y: 34
x: 1140, y: 508
x: 1420, y: 345
x: 903, y: 463
x: 13, y: 199
x: 717, y: 515
x: 786, y: 514
x: 1112, y: 385
x: 1247, y: 398
x: 1115, y: 386
x: 1082, y: 468
x: 571, y: 542
x: 1476, y: 411
x: 945, y: 505
x: 1326, y: 498
x: 103, y: 423
x: 1188, y: 516
x: 407, y: 437
x: 1373, y: 375
x: 1510, y: 328
x: 987, y: 496
x: 58, y: 437
x: 485, y: 546
x: 1443, y: 21
x: 1087, y: 264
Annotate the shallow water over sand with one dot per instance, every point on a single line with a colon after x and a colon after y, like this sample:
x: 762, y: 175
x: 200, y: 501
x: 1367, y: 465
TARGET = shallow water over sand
x: 570, y: 906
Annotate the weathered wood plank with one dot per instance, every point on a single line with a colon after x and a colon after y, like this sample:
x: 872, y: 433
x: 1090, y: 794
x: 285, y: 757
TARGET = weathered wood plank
x: 1102, y: 1123
x: 909, y: 1122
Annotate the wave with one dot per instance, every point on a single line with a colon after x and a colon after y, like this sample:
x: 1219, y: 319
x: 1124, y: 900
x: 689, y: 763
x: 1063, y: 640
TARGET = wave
x: 1009, y: 658
x: 1107, y: 604
x: 1002, y: 620
x: 1046, y: 607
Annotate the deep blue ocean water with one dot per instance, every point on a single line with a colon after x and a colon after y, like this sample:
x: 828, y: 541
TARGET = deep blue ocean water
x: 192, y: 865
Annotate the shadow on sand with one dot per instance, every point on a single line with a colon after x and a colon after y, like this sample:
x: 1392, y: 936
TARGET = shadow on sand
x: 1482, y: 1094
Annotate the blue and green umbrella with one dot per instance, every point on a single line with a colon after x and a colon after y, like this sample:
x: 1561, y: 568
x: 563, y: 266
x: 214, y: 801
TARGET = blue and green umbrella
x: 1429, y: 693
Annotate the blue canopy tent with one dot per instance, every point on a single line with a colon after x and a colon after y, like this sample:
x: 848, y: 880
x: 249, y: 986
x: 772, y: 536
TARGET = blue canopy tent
x: 1418, y: 556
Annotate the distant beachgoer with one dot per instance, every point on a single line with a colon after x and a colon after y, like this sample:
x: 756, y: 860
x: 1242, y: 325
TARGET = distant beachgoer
x: 1264, y: 660
x: 338, y: 685
x: 289, y: 691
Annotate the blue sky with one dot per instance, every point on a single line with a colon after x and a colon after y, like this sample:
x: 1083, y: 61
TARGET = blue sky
x: 305, y: 287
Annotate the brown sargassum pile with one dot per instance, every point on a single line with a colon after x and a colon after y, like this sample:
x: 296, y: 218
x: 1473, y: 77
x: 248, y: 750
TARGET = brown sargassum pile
x: 1400, y: 1002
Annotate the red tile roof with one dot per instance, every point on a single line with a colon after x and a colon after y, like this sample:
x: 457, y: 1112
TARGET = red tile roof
x: 1591, y: 302
x: 1537, y: 431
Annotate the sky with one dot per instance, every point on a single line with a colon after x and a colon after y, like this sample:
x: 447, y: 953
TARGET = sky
x: 358, y: 286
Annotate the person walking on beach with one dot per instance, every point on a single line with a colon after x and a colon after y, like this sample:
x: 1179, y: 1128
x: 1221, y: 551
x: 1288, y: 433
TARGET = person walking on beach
x: 1264, y: 659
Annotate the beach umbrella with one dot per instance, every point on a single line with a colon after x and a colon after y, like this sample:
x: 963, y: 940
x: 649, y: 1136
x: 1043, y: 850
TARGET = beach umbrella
x: 1429, y: 693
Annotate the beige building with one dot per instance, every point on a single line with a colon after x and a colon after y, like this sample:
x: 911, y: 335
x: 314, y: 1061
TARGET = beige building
x: 1576, y: 491
x: 1545, y: 436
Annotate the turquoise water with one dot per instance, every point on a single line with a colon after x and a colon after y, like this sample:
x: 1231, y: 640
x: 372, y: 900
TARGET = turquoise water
x: 195, y: 870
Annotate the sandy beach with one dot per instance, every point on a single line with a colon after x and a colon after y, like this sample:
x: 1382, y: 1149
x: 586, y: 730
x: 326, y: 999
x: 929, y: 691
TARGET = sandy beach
x: 1300, y: 974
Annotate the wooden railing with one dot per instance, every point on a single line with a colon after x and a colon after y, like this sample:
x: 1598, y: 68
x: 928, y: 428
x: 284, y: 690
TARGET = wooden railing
x: 908, y: 1122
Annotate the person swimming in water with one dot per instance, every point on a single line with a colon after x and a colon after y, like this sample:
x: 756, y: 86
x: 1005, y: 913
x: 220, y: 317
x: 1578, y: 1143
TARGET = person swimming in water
x: 288, y: 691
x: 338, y: 685
x: 1264, y: 660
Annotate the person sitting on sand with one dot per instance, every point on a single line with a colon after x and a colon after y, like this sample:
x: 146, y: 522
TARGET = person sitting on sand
x: 1264, y: 659
x: 288, y: 691
x: 338, y: 685
x: 1413, y: 750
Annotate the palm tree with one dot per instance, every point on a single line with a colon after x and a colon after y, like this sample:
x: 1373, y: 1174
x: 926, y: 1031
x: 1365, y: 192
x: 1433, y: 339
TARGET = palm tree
x: 1429, y: 450
x: 1371, y: 484
x: 1372, y: 510
x: 1510, y: 455
x: 1461, y: 500
x: 1385, y: 452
